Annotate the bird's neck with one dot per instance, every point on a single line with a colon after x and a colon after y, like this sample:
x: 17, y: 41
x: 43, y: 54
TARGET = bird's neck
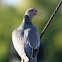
x: 27, y: 19
x: 31, y: 17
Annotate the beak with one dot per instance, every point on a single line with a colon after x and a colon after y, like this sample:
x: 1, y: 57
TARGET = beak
x: 38, y: 13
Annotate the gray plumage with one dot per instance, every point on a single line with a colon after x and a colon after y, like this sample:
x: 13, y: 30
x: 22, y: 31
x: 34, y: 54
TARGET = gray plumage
x: 26, y: 40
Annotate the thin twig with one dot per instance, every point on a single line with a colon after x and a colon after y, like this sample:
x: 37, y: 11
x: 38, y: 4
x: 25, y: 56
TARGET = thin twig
x: 55, y: 11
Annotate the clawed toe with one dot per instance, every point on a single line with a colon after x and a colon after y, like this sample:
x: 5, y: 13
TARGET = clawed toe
x: 22, y: 60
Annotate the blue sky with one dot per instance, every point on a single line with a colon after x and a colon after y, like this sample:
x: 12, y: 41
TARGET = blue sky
x: 11, y: 2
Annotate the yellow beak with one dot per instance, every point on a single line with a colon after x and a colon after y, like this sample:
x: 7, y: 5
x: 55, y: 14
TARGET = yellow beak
x: 38, y: 13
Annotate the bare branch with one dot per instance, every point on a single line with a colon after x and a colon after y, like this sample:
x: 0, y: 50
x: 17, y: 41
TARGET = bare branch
x: 55, y: 11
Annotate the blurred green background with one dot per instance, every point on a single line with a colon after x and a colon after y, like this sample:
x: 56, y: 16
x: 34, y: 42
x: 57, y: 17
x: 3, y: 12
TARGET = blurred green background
x: 11, y: 16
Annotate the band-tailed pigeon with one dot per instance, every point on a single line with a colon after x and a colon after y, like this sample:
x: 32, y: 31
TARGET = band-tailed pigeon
x: 26, y: 38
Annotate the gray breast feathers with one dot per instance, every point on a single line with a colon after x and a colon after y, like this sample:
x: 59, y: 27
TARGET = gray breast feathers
x: 32, y: 37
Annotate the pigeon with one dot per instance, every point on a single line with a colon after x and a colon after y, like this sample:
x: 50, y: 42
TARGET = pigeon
x: 26, y: 39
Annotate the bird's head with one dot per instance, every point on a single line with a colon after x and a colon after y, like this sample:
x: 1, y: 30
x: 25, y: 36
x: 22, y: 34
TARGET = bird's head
x: 32, y: 12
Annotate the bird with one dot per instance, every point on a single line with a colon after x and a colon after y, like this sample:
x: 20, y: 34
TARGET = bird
x: 26, y: 39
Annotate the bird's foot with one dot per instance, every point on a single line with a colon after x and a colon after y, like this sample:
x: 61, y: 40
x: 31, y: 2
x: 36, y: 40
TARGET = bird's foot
x: 22, y: 60
x: 32, y: 51
x: 32, y: 54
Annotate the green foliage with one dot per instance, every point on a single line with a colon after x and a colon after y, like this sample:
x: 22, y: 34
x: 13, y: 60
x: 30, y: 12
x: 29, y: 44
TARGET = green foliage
x: 11, y: 18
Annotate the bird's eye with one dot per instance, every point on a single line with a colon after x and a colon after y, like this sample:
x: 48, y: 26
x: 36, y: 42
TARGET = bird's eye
x: 31, y: 10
